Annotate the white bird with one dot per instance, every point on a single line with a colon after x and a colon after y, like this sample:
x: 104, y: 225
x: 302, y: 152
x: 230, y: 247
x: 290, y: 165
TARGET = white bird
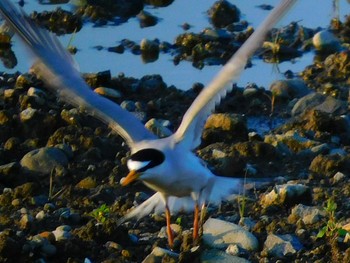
x: 168, y: 165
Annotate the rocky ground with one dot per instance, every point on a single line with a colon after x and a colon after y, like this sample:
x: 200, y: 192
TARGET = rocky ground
x: 60, y: 168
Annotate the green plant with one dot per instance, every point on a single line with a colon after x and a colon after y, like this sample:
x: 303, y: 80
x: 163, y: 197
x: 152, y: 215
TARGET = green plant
x: 242, y: 200
x: 101, y: 214
x: 332, y: 229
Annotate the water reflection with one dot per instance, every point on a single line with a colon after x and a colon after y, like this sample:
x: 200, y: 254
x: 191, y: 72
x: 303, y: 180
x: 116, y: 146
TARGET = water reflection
x: 95, y: 43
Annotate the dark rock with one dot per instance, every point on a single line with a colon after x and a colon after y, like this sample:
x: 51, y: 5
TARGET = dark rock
x: 159, y: 3
x: 229, y: 126
x: 9, y: 247
x: 223, y: 13
x: 146, y: 19
x: 281, y: 246
x: 329, y: 165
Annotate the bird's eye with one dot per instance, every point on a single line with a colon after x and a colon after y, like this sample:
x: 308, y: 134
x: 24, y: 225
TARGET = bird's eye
x: 145, y: 159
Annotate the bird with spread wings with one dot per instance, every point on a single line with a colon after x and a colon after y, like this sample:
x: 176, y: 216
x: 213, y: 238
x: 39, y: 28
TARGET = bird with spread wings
x: 167, y: 165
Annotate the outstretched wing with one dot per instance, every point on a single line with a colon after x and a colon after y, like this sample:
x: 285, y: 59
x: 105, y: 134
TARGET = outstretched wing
x: 56, y: 67
x: 193, y: 121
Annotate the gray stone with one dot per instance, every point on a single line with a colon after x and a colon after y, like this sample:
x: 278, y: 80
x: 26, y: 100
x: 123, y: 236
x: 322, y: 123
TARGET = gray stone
x: 333, y: 106
x: 319, y: 102
x: 339, y: 177
x: 128, y: 105
x: 289, y: 89
x: 158, y: 128
x: 220, y: 234
x: 325, y: 41
x: 307, y: 102
x: 286, y: 194
x: 44, y: 160
x: 308, y: 214
x: 282, y: 245
x: 176, y: 229
x: 218, y: 256
x: 62, y: 233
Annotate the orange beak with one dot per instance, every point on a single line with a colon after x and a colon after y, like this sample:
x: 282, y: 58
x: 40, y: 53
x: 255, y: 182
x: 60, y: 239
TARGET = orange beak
x: 132, y: 176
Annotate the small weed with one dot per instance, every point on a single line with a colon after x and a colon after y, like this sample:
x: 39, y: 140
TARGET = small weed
x: 242, y: 200
x: 101, y: 214
x: 332, y: 229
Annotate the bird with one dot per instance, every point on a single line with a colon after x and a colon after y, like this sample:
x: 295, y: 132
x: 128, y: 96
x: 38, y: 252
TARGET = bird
x: 167, y: 165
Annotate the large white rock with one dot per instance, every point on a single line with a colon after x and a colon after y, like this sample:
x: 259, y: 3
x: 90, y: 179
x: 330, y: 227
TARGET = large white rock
x: 220, y: 234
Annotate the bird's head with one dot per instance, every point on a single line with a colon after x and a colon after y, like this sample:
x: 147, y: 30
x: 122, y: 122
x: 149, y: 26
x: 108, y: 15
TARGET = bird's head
x: 141, y: 162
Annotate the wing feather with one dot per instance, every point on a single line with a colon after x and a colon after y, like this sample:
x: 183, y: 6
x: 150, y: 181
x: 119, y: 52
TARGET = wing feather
x: 194, y: 119
x: 57, y: 68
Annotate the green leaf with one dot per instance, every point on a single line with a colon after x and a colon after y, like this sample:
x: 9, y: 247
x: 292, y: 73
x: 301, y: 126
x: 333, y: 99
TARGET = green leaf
x: 322, y: 232
x: 342, y: 232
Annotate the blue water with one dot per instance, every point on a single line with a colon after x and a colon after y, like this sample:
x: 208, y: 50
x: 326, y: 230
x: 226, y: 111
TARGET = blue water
x: 309, y: 13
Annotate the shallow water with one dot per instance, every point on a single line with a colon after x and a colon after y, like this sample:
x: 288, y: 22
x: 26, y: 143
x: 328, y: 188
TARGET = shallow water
x: 310, y: 13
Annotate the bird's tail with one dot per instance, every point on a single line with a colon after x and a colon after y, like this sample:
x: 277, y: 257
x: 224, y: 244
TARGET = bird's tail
x: 218, y: 190
x: 156, y: 205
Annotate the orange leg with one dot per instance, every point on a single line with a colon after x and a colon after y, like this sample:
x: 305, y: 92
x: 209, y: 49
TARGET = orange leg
x: 195, y: 223
x: 168, y: 228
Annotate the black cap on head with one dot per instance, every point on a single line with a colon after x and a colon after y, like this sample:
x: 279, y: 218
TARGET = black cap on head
x: 153, y: 156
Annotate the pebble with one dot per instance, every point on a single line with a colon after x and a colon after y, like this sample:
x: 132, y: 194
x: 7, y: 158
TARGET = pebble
x: 326, y: 42
x: 339, y: 177
x: 328, y: 165
x: 218, y: 256
x: 158, y: 128
x: 87, y: 183
x: 38, y: 94
x: 174, y: 227
x: 71, y: 116
x: 8, y: 171
x: 62, y: 233
x: 232, y: 250
x: 220, y: 234
x: 319, y: 102
x: 223, y: 13
x: 286, y: 194
x: 152, y: 82
x: 146, y: 19
x: 108, y: 92
x: 26, y: 221
x: 27, y: 114
x: 40, y: 215
x: 43, y: 160
x: 128, y: 105
x: 158, y: 253
x: 289, y: 89
x: 290, y: 141
x: 224, y: 125
x: 308, y: 214
x: 307, y: 102
x: 282, y: 245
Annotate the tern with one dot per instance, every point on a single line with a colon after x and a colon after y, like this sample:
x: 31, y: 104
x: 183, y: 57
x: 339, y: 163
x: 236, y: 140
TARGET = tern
x: 166, y: 165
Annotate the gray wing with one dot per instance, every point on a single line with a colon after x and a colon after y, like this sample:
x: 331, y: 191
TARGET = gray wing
x: 57, y: 68
x: 193, y: 121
